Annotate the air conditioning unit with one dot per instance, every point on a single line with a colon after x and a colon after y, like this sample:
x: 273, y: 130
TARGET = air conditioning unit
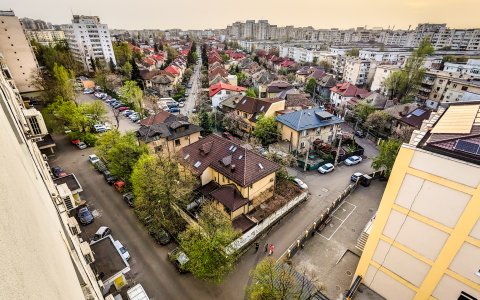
x: 87, y: 252
x: 73, y: 226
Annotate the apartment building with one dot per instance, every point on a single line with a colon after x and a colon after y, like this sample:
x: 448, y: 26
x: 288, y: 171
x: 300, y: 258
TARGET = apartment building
x: 17, y: 52
x: 46, y: 37
x: 31, y: 24
x: 42, y: 256
x: 89, y: 41
x: 425, y: 239
x: 471, y: 67
x: 394, y: 56
x: 382, y: 72
x: 359, y: 71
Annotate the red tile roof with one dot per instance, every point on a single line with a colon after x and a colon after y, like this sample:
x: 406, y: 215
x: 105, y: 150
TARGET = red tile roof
x: 244, y: 167
x: 156, y: 119
x: 214, y: 89
x: 347, y: 89
x: 172, y: 70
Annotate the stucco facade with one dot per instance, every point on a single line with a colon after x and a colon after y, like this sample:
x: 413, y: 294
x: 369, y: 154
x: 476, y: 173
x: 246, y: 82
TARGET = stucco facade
x: 170, y: 147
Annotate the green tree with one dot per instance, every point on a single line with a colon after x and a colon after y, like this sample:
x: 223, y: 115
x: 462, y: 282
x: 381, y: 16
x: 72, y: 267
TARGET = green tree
x: 379, y: 121
x: 363, y: 110
x: 68, y: 114
x: 274, y: 281
x: 206, y: 122
x: 310, y: 87
x: 64, y: 80
x: 396, y: 84
x: 123, y: 53
x: 135, y: 75
x: 96, y: 109
x: 206, y: 242
x: 161, y: 186
x: 127, y: 70
x: 225, y: 57
x: 172, y: 53
x: 355, y: 52
x: 325, y: 65
x: 242, y: 79
x: 388, y: 151
x: 132, y: 95
x: 121, y: 151
x: 92, y: 63
x: 251, y: 92
x: 266, y: 130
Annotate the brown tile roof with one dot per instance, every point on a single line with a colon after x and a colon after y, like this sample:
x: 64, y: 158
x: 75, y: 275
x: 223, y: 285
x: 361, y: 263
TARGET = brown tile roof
x: 229, y: 196
x: 243, y: 223
x: 148, y: 75
x: 156, y: 119
x: 245, y: 168
x: 254, y: 105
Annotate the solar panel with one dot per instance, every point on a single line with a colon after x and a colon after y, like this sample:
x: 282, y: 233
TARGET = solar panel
x: 418, y: 112
x: 468, y: 147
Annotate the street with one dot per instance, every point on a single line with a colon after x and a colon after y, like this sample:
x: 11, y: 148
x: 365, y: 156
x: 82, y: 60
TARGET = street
x: 191, y: 100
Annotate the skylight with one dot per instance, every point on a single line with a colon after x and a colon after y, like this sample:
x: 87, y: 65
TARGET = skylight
x: 186, y: 156
x: 261, y: 108
x: 261, y: 166
x: 244, y: 100
x: 197, y: 164
x: 231, y: 147
x: 240, y: 157
x: 234, y: 149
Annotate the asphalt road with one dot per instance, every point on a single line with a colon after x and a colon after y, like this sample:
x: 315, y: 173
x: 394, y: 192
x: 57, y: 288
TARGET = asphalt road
x: 194, y: 91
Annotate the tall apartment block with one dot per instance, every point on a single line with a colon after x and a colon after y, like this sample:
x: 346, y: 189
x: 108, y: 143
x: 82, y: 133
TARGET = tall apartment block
x: 17, y: 52
x: 89, y: 40
x: 425, y: 239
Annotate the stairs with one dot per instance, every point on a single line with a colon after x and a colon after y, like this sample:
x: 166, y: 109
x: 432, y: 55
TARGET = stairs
x: 362, y: 241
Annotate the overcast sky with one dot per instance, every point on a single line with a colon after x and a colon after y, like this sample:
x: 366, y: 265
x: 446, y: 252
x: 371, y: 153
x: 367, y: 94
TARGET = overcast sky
x: 203, y: 14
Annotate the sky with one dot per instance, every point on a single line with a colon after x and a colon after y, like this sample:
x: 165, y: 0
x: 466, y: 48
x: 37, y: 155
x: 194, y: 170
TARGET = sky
x: 208, y: 14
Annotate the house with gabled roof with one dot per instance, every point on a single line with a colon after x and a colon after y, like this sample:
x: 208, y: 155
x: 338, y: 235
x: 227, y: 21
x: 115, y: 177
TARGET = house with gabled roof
x: 301, y: 128
x: 342, y: 92
x: 250, y: 109
x: 221, y: 91
x: 235, y: 178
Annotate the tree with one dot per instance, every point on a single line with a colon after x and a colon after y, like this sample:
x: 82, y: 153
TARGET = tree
x: 206, y: 123
x: 127, y: 70
x: 355, y: 52
x: 325, y: 65
x: 161, y: 186
x: 69, y: 114
x: 388, y: 151
x: 63, y: 82
x: 111, y: 65
x: 135, y: 75
x: 403, y: 133
x: 379, y: 121
x: 206, y: 242
x: 96, y: 109
x: 92, y: 63
x: 311, y: 84
x: 122, y: 52
x: 171, y: 54
x: 242, y: 79
x: 251, y: 92
x: 363, y: 110
x: 266, y: 130
x: 132, y: 95
x: 274, y: 281
x: 396, y: 84
x: 155, y: 48
x: 225, y: 57
x: 121, y: 151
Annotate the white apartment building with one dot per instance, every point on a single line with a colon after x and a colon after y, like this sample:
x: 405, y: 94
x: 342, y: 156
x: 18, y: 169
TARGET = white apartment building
x: 42, y: 255
x: 382, y: 72
x: 46, y: 37
x: 390, y: 56
x: 17, y: 52
x: 471, y: 68
x: 89, y: 40
x: 359, y: 71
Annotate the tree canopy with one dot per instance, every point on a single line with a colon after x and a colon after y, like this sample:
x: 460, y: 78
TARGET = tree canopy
x: 353, y: 52
x: 123, y: 53
x: 266, y: 130
x: 206, y: 122
x: 132, y: 95
x: 311, y: 84
x: 385, y: 159
x: 205, y: 244
x: 363, y: 110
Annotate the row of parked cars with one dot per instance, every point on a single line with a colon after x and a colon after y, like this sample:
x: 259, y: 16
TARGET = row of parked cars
x: 328, y: 167
x: 120, y: 106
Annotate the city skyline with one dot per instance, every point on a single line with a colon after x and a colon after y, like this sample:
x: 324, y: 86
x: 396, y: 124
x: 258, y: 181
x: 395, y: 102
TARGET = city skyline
x: 400, y: 14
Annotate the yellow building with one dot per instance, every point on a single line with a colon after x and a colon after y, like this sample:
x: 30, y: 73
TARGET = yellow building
x: 425, y: 240
x: 237, y: 179
x: 250, y: 109
x: 165, y: 133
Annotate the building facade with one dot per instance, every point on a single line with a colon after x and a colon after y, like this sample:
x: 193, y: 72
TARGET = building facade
x: 425, y: 239
x: 46, y: 37
x: 90, y: 41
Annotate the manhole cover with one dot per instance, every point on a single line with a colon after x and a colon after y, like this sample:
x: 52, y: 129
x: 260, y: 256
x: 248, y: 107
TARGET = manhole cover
x: 349, y: 273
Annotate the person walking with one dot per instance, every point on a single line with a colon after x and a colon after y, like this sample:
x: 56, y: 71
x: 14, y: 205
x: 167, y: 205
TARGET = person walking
x: 271, y: 249
x: 257, y: 245
x: 266, y: 247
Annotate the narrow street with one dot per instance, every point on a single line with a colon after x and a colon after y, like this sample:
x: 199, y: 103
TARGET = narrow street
x: 195, y: 90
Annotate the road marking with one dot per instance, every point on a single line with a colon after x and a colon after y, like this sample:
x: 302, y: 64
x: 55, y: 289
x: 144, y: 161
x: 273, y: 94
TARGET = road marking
x: 354, y: 207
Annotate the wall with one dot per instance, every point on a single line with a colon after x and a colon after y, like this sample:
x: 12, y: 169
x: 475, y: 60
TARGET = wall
x: 168, y: 146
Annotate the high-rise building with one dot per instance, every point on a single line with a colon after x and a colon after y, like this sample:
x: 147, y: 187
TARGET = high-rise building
x: 263, y: 30
x: 42, y: 255
x: 90, y: 41
x: 249, y: 29
x: 17, y: 52
x: 31, y: 24
x: 425, y: 239
x: 46, y: 37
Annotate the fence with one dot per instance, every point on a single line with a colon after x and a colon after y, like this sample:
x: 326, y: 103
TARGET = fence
x: 324, y: 219
x: 251, y: 234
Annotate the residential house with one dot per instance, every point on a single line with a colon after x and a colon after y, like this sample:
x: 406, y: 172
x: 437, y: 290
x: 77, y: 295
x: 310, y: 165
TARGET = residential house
x: 298, y: 101
x: 359, y: 71
x: 147, y: 76
x: 221, y: 91
x: 324, y: 86
x: 301, y: 128
x: 165, y: 133
x: 342, y: 92
x: 408, y: 114
x: 277, y: 87
x: 250, y: 109
x: 381, y: 73
x: 163, y: 82
x: 236, y: 179
x: 176, y: 72
x: 229, y: 103
x: 304, y: 72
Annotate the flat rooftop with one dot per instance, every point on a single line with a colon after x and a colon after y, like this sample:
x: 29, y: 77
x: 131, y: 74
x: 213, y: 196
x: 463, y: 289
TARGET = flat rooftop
x: 107, y: 259
x: 71, y: 182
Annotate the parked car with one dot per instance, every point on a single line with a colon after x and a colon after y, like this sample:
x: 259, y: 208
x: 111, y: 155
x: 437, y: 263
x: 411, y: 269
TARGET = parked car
x: 93, y: 159
x: 127, y: 112
x: 102, y: 232
x: 353, y: 160
x: 109, y: 177
x: 174, y: 109
x: 181, y: 104
x: 81, y: 145
x: 179, y: 259
x: 99, y: 128
x: 159, y: 235
x: 123, y: 108
x: 88, y: 91
x: 359, y: 133
x: 129, y: 198
x: 119, y: 185
x: 300, y: 183
x: 100, y: 166
x: 84, y: 215
x: 326, y: 168
x: 58, y: 172
x: 355, y: 176
x: 123, y: 251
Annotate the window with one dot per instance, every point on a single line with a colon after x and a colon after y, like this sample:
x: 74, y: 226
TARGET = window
x: 304, y: 132
x: 464, y: 88
x: 466, y: 296
x: 302, y: 145
x: 454, y: 85
x: 158, y: 149
x: 177, y: 142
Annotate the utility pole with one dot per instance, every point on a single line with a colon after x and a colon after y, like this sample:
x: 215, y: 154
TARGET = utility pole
x: 308, y: 153
x: 338, y: 150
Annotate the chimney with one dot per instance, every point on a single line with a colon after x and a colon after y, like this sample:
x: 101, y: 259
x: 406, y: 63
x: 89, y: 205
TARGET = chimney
x: 232, y: 168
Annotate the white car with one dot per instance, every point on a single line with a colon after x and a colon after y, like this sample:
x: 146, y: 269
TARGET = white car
x: 353, y: 160
x: 181, y: 104
x: 326, y: 168
x: 81, y: 145
x: 102, y: 232
x: 300, y: 183
x: 93, y: 159
x: 123, y: 251
x: 100, y: 128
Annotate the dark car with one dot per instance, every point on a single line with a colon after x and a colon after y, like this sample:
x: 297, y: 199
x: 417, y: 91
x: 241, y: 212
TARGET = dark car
x: 128, y: 197
x: 159, y: 235
x: 109, y: 177
x: 359, y: 133
x: 84, y: 215
x: 174, y: 109
x: 100, y: 167
x: 355, y: 176
x: 58, y: 172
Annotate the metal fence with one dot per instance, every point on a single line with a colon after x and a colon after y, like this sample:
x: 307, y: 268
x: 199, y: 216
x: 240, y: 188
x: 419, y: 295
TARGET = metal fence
x: 324, y: 219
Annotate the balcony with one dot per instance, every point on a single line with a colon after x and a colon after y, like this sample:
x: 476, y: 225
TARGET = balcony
x: 428, y: 82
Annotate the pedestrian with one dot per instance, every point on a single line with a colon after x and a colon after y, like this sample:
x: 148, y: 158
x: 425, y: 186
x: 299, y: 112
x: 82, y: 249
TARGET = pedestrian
x: 272, y: 247
x: 257, y: 245
x: 266, y: 247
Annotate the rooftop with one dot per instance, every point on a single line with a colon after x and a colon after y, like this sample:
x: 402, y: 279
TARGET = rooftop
x: 308, y: 119
x: 71, y: 182
x: 107, y: 259
x: 214, y: 89
x: 165, y: 125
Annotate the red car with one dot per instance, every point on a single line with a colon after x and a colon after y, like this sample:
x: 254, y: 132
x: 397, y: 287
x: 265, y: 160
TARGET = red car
x: 119, y: 186
x: 123, y: 108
